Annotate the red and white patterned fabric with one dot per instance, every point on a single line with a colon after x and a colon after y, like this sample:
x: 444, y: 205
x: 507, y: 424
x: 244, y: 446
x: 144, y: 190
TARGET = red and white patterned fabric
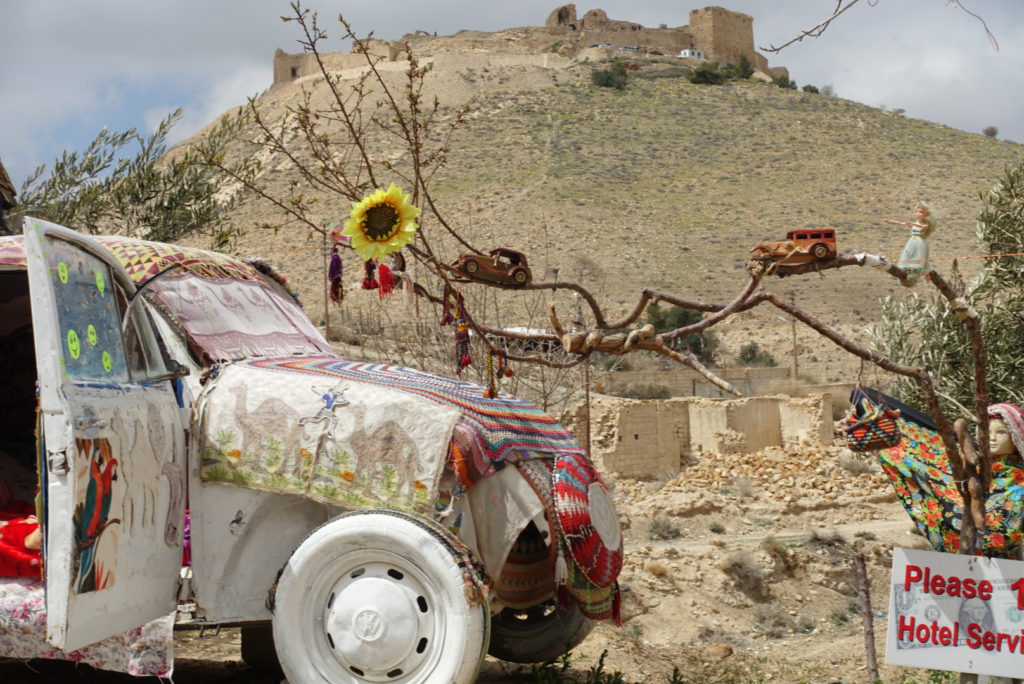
x: 587, y: 517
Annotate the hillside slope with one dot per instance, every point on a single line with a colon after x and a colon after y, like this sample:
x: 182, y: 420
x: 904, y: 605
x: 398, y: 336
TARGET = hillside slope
x: 669, y: 184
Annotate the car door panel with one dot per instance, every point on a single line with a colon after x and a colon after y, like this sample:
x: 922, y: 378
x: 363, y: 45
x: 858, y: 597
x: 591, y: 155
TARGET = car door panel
x: 113, y: 447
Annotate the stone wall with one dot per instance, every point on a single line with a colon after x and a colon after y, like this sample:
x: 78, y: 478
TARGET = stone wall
x: 725, y: 36
x: 734, y: 427
x: 648, y: 439
x: 807, y: 419
x: 292, y: 67
x: 652, y: 438
x: 720, y: 33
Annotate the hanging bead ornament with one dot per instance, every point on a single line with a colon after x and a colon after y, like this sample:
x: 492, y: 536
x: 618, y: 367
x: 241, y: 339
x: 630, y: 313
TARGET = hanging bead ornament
x: 491, y: 391
x: 461, y: 340
x: 334, y: 275
x: 446, y: 311
x: 369, y: 281
x: 504, y: 370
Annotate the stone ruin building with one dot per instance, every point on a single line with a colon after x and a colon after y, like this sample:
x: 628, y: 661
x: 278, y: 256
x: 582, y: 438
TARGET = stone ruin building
x: 720, y: 34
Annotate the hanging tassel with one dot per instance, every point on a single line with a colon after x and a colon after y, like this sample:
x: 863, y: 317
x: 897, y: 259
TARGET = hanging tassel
x: 334, y: 274
x: 446, y: 316
x: 504, y: 370
x: 617, y: 605
x: 462, y: 358
x: 561, y: 579
x: 387, y: 281
x: 490, y: 392
x: 369, y: 281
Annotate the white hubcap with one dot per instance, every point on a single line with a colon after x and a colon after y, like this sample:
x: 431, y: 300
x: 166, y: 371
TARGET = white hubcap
x: 379, y: 622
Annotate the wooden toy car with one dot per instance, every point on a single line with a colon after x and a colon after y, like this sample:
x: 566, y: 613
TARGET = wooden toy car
x: 505, y: 266
x: 800, y: 247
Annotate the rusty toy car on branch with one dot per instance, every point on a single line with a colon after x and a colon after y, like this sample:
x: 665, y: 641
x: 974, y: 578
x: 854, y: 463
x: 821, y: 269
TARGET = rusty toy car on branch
x: 800, y: 247
x: 501, y: 265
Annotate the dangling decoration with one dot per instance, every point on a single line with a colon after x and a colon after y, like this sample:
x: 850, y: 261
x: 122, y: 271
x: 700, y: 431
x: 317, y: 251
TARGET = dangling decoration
x: 369, y: 281
x: 398, y: 268
x: 334, y: 274
x: 387, y: 281
x: 462, y: 340
x: 562, y: 579
x: 446, y: 311
x: 504, y: 370
x: 381, y: 223
x: 490, y: 392
x: 406, y: 290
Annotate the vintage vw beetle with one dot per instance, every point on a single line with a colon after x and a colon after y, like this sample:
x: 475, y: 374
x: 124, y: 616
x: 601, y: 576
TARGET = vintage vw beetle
x: 386, y: 524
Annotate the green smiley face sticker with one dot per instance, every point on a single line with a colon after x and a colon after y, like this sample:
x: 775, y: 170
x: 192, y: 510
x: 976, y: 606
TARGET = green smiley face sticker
x: 62, y: 272
x: 74, y: 347
x: 91, y: 335
x: 106, y: 361
x: 101, y: 284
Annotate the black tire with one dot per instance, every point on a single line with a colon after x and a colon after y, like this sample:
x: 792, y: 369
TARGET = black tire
x: 472, y: 266
x: 519, y: 277
x: 258, y: 647
x: 820, y: 251
x: 537, y: 634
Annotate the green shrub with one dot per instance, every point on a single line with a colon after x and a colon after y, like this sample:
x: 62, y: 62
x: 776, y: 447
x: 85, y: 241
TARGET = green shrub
x: 751, y: 354
x: 614, y: 76
x: 810, y: 89
x: 708, y: 73
x: 703, y: 345
x: 784, y: 82
x: 743, y: 69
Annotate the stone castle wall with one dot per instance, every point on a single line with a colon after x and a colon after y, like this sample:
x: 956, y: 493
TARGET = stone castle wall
x: 721, y: 34
x: 725, y: 36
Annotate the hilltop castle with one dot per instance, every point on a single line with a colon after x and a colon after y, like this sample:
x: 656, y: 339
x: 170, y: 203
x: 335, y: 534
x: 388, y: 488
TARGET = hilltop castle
x: 715, y: 33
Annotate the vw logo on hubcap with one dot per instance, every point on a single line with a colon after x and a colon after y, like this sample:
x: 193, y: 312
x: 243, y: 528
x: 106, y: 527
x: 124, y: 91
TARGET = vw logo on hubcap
x: 368, y: 625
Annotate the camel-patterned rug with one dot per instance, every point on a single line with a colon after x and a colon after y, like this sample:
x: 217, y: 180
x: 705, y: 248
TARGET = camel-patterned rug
x: 328, y: 438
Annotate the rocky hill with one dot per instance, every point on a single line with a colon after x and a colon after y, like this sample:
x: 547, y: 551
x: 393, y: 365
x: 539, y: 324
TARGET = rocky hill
x: 665, y: 184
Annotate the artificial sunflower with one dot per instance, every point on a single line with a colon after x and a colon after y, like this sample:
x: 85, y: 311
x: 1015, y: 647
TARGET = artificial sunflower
x: 381, y: 223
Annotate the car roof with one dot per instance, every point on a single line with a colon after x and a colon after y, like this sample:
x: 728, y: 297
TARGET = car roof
x: 144, y: 260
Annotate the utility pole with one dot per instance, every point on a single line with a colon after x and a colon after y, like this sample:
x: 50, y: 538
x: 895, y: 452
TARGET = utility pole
x: 793, y: 370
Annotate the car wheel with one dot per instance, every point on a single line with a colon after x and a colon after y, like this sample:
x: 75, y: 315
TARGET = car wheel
x: 472, y: 267
x: 378, y: 596
x: 537, y: 634
x: 519, y: 277
x: 820, y: 251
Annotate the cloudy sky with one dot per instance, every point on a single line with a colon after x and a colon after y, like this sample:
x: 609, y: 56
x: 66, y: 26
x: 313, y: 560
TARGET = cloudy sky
x: 67, y: 69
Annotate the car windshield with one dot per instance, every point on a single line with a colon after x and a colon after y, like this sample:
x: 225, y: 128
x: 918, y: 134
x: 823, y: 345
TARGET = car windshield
x: 228, y: 319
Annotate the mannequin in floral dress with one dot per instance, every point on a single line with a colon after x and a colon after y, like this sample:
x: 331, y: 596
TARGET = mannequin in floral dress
x: 920, y: 473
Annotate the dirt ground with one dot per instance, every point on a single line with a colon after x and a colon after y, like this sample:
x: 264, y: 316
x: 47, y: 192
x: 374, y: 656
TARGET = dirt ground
x: 737, y: 570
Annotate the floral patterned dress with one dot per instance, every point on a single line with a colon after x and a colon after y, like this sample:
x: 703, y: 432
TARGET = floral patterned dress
x: 920, y: 473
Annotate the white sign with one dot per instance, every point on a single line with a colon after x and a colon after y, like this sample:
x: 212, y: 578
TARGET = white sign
x: 957, y: 613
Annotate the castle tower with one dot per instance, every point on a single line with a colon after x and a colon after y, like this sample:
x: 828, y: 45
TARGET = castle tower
x: 725, y: 35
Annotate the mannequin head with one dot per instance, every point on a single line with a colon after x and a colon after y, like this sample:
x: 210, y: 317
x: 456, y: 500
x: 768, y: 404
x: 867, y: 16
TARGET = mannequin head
x: 1000, y: 441
x: 1005, y: 430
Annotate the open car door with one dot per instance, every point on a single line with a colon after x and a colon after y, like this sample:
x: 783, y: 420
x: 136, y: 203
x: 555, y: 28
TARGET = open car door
x: 113, y: 443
